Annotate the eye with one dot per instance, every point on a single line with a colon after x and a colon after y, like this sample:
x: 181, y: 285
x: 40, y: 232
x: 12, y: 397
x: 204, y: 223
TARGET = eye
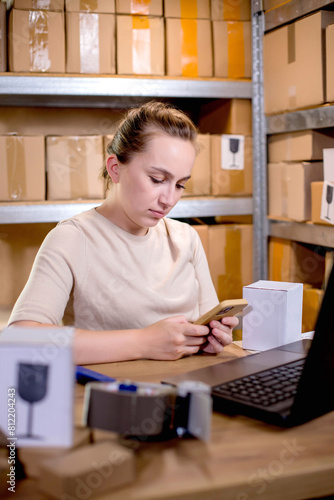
x: 156, y: 181
x: 180, y: 186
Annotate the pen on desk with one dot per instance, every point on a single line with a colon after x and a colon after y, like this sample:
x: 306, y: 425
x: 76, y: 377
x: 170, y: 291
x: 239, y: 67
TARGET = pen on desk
x: 85, y: 375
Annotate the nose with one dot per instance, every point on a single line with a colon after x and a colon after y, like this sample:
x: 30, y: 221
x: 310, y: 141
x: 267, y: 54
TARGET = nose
x: 168, y: 196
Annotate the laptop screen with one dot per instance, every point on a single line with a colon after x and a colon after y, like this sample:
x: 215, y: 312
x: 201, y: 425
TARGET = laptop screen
x: 315, y: 394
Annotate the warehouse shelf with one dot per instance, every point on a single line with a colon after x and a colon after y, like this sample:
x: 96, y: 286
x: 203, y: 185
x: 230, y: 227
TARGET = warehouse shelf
x: 315, y: 234
x: 293, y: 10
x: 305, y: 119
x: 25, y: 213
x: 113, y: 91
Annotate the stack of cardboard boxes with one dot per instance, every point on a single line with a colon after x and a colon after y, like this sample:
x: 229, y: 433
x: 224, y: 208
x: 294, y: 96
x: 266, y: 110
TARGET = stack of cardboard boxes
x: 298, y: 74
x: 196, y: 38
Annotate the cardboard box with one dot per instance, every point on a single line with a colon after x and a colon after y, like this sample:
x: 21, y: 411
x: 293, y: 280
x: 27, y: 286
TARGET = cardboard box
x: 298, y: 146
x: 140, y: 45
x: 73, y: 167
x: 187, y: 9
x: 226, y: 116
x: 37, y: 364
x: 231, y: 165
x: 19, y: 244
x: 88, y: 472
x: 312, y: 299
x: 327, y: 198
x: 32, y: 458
x: 292, y: 55
x: 3, y: 38
x: 36, y: 41
x: 22, y: 168
x: 140, y: 7
x: 189, y: 48
x: 295, y: 262
x: 230, y: 258
x: 98, y: 6
x: 289, y: 189
x: 230, y: 10
x: 273, y: 316
x: 232, y: 49
x: 53, y: 5
x: 203, y: 233
x: 316, y: 199
x: 330, y: 63
x: 200, y: 182
x: 91, y: 43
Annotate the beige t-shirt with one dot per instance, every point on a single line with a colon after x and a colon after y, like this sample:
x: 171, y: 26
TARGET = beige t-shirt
x: 93, y: 275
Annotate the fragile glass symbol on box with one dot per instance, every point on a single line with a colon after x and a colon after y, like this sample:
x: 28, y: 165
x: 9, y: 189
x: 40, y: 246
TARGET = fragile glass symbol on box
x: 232, y: 152
x: 327, y: 212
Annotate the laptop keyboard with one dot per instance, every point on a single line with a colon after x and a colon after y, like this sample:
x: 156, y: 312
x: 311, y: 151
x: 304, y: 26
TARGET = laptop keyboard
x: 265, y: 388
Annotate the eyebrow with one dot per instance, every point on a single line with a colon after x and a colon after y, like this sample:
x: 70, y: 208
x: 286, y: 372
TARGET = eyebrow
x: 168, y: 174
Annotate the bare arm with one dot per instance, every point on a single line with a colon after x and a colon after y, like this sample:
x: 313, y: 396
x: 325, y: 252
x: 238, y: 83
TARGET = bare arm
x: 168, y: 339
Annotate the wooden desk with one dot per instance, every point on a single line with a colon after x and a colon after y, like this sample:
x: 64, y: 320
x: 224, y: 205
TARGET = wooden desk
x: 245, y: 459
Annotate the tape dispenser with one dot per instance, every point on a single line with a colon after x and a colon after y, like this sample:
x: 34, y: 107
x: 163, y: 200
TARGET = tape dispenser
x: 144, y: 410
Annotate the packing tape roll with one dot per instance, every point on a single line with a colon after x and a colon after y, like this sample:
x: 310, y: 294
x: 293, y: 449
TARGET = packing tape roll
x: 149, y: 410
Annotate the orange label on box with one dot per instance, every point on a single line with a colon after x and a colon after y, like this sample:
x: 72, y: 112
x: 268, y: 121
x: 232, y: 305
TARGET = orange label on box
x: 141, y: 45
x: 188, y: 8
x: 140, y: 7
x: 236, y: 49
x: 189, y: 52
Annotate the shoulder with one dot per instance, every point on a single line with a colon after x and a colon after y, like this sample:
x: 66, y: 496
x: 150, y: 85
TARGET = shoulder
x: 180, y: 232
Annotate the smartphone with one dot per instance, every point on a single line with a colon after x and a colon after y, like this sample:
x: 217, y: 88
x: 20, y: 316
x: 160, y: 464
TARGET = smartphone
x: 224, y: 308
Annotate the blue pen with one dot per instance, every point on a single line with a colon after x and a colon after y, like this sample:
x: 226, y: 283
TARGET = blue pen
x: 85, y: 375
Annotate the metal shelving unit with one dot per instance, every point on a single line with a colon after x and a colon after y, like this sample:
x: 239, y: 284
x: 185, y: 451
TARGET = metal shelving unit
x: 26, y: 213
x: 312, y: 118
x: 121, y: 92
x: 97, y: 91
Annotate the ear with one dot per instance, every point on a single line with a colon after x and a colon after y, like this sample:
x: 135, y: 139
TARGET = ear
x: 112, y: 166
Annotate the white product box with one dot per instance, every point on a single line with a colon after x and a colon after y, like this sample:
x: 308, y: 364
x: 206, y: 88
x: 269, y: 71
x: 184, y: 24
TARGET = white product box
x: 37, y: 380
x: 327, y: 199
x: 273, y: 316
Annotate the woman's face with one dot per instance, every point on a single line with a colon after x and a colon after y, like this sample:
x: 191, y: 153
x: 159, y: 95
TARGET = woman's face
x: 151, y: 184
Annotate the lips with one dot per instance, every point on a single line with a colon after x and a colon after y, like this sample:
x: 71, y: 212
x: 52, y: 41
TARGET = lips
x: 157, y: 214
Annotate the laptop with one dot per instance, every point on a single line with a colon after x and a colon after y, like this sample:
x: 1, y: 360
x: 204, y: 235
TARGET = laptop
x: 285, y: 386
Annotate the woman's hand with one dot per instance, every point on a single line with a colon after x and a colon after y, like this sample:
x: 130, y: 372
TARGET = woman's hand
x: 220, y: 334
x: 171, y: 339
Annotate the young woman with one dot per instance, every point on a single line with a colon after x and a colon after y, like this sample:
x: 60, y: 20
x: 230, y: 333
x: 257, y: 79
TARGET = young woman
x: 127, y: 278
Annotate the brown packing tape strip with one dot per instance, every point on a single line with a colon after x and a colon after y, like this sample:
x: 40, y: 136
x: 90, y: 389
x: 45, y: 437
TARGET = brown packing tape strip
x: 77, y: 165
x: 141, y: 45
x: 189, y: 50
x: 89, y: 42
x: 236, y: 49
x: 89, y: 5
x: 284, y: 184
x: 135, y: 416
x: 189, y: 9
x: 291, y: 43
x: 141, y: 7
x: 38, y: 41
x: 230, y: 284
x: 16, y: 169
x: 232, y: 9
